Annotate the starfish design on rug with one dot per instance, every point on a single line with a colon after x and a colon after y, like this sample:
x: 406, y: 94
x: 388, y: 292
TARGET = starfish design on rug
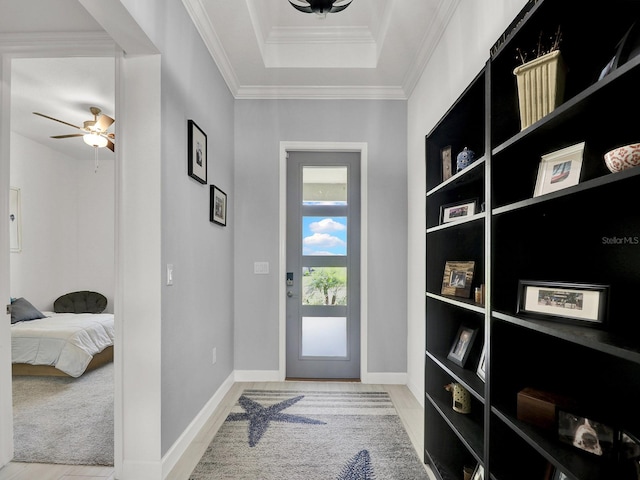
x: 259, y: 417
x: 358, y: 468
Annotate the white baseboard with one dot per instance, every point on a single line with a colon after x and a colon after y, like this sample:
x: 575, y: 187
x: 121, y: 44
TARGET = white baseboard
x: 258, y: 376
x: 385, y: 378
x: 413, y: 388
x: 180, y: 446
x: 141, y: 470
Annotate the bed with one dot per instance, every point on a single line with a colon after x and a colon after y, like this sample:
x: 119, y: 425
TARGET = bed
x: 66, y: 342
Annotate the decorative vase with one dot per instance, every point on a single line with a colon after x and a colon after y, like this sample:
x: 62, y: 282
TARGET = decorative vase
x: 465, y: 158
x: 540, y: 87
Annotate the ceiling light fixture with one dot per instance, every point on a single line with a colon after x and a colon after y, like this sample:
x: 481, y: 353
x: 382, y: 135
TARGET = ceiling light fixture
x: 94, y: 140
x: 320, y: 7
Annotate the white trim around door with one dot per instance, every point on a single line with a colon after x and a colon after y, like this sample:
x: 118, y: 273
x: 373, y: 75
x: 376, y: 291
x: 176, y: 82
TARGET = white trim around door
x: 290, y: 146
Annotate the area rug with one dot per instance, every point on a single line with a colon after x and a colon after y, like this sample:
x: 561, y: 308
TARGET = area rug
x: 316, y: 435
x: 64, y: 420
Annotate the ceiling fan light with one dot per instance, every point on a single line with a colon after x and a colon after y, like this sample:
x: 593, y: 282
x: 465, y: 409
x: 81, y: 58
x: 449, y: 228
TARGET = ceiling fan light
x: 94, y: 140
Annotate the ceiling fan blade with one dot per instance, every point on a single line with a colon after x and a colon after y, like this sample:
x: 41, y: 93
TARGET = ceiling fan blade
x: 68, y: 136
x: 302, y: 9
x: 104, y: 122
x: 56, y: 120
x: 338, y: 8
x: 111, y: 146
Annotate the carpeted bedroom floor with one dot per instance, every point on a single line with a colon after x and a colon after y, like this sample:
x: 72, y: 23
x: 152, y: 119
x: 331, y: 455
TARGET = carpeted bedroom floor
x: 64, y: 420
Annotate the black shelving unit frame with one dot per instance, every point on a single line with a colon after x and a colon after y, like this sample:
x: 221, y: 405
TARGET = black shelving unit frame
x: 562, y: 236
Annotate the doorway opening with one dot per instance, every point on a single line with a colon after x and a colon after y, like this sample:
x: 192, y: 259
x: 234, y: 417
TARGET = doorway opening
x: 67, y: 206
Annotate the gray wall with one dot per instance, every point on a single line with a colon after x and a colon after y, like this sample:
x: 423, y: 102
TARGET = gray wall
x: 197, y: 311
x: 260, y: 125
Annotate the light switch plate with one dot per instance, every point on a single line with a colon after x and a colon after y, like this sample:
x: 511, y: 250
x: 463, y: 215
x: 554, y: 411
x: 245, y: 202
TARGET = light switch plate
x: 261, y: 268
x: 169, y: 274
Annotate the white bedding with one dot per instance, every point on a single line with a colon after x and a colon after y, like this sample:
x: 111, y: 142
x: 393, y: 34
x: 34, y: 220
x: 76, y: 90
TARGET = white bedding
x: 67, y: 341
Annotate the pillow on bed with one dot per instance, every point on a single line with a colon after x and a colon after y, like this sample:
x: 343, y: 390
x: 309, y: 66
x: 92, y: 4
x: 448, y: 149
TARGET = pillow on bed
x: 22, y: 311
x: 80, y: 302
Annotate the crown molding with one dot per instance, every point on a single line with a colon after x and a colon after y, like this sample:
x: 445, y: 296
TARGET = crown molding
x: 317, y: 35
x: 200, y: 19
x: 296, y: 92
x: 430, y: 41
x: 93, y: 44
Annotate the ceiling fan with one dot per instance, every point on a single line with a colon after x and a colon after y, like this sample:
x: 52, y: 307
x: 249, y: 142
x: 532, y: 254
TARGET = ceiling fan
x: 94, y: 132
x: 320, y: 7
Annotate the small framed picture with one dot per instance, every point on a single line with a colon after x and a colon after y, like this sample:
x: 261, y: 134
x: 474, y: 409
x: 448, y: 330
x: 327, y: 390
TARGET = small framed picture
x: 482, y: 363
x: 586, y: 434
x: 559, y: 169
x: 197, y: 153
x: 461, y: 347
x: 630, y: 454
x: 447, y: 166
x: 218, y: 206
x: 559, y: 475
x: 576, y: 303
x: 458, y: 211
x: 478, y: 473
x: 457, y: 279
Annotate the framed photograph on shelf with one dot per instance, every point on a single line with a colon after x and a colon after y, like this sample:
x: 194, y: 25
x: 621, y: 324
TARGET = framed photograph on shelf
x: 558, y: 475
x: 447, y: 166
x: 559, y: 169
x: 457, y: 279
x: 586, y: 434
x: 576, y: 303
x: 217, y: 206
x: 453, y: 212
x: 478, y: 473
x: 481, y: 371
x: 629, y: 446
x: 462, y: 344
x: 630, y: 454
x: 197, y: 153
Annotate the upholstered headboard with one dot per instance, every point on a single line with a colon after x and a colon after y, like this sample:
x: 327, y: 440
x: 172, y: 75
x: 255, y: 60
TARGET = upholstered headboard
x: 80, y: 302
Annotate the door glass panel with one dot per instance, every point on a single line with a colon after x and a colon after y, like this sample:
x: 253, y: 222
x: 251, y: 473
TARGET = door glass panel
x: 324, y: 286
x: 324, y: 185
x: 324, y: 235
x: 324, y: 336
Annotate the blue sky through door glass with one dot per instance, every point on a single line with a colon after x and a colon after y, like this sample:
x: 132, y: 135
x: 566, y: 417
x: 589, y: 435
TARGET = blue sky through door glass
x: 324, y: 235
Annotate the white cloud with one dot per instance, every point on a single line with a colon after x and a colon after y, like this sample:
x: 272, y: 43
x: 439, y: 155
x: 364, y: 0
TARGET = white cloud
x: 323, y: 240
x: 326, y: 225
x: 318, y: 252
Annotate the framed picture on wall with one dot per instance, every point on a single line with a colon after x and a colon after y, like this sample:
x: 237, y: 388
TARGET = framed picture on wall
x: 197, y: 153
x: 218, y: 206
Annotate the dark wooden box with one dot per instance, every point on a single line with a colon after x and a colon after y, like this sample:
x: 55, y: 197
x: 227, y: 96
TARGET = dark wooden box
x: 540, y: 408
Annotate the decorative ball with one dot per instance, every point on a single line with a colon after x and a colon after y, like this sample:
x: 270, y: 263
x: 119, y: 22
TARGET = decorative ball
x: 464, y: 159
x: 622, y: 158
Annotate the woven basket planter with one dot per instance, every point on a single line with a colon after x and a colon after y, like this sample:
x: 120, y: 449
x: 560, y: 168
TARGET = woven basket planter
x: 540, y: 87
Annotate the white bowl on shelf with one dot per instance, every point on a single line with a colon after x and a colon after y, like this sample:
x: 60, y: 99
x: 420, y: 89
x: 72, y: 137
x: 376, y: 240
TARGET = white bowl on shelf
x: 622, y: 158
